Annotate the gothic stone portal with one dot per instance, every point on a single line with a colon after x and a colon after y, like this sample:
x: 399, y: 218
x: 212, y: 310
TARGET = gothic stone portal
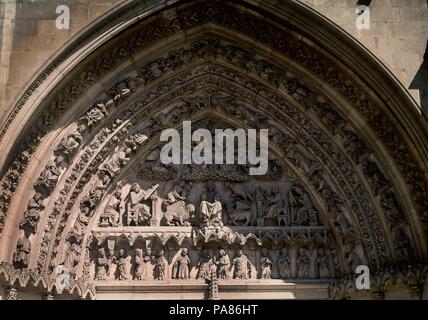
x: 84, y: 192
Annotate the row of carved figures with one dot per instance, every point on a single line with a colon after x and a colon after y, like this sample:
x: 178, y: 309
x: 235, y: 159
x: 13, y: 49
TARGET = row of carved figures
x: 138, y: 208
x: 108, y: 265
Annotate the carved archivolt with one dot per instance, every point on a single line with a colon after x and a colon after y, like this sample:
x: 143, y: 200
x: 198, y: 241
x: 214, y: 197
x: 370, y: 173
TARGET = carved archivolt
x: 101, y: 203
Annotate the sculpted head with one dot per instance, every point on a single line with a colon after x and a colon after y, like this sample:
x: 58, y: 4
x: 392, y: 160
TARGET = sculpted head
x: 59, y: 159
x: 105, y: 179
x: 135, y: 187
x: 239, y: 253
x: 139, y: 252
x: 37, y: 196
x: 217, y: 197
x: 101, y: 252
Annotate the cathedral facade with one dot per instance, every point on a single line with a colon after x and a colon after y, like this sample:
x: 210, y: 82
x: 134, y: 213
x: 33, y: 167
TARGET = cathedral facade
x: 90, y: 210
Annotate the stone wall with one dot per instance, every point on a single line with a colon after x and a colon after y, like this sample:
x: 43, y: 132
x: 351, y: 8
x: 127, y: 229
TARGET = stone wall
x: 29, y: 37
x: 397, y: 36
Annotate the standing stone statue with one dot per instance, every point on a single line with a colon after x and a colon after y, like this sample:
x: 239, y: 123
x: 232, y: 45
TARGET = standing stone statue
x: 160, y: 265
x: 303, y: 264
x: 284, y: 263
x: 266, y: 267
x: 32, y: 214
x: 111, y: 260
x: 242, y: 265
x: 49, y: 177
x: 72, y: 259
x: 322, y: 264
x: 299, y: 205
x: 223, y: 265
x: 181, y: 267
x: 102, y: 265
x: 22, y: 253
x: 122, y: 265
x: 140, y: 264
x: 204, y: 266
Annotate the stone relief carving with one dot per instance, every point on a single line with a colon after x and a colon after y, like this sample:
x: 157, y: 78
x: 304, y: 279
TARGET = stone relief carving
x: 242, y: 267
x: 211, y: 212
x: 265, y: 266
x: 303, y: 264
x: 122, y: 262
x: 23, y: 250
x: 181, y: 269
x: 322, y: 264
x: 32, y: 214
x: 102, y: 265
x: 238, y: 58
x: 223, y: 265
x: 270, y: 212
x: 178, y: 211
x: 72, y: 259
x: 139, y: 205
x: 113, y: 213
x: 241, y: 205
x: 253, y: 68
x: 49, y: 177
x: 140, y: 262
x: 70, y: 144
x: 205, y: 265
x: 284, y: 264
x: 160, y: 266
x: 94, y: 115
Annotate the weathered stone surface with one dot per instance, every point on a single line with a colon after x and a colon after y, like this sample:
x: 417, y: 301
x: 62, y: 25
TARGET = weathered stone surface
x: 84, y: 193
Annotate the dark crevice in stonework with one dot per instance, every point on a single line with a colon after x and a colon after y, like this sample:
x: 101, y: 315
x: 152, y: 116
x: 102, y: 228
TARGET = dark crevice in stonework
x: 364, y: 3
x: 420, y: 82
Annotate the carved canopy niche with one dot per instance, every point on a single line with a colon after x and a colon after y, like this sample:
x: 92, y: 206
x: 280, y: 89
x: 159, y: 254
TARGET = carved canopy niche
x: 83, y: 186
